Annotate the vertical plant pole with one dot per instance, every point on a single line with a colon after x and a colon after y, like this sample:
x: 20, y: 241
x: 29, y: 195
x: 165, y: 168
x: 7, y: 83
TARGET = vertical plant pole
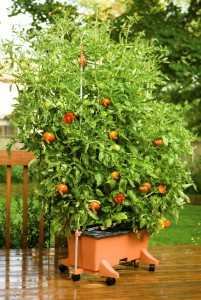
x: 83, y: 61
x: 77, y: 235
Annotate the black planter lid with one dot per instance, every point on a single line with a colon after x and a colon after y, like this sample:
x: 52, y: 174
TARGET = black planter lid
x: 99, y: 234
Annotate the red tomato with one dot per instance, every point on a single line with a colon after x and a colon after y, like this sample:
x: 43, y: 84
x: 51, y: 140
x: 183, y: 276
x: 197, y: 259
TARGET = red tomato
x: 105, y: 102
x: 62, y: 189
x: 115, y: 175
x: 69, y: 118
x: 148, y: 185
x: 143, y: 189
x: 113, y: 135
x: 94, y: 205
x: 162, y: 189
x: 48, y: 137
x: 166, y: 223
x: 158, y: 143
x: 119, y: 198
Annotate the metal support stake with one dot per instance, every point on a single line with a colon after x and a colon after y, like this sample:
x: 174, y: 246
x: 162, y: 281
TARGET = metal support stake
x: 76, y: 250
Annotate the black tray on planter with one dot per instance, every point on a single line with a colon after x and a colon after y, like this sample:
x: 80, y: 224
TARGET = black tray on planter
x: 99, y: 234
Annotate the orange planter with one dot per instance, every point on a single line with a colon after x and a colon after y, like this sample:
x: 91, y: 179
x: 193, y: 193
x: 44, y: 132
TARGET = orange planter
x: 97, y: 255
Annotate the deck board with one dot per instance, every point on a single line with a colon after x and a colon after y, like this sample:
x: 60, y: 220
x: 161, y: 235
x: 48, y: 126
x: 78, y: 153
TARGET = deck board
x: 34, y: 275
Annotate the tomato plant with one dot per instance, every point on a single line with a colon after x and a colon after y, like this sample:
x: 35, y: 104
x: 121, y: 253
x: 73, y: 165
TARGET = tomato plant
x: 80, y: 137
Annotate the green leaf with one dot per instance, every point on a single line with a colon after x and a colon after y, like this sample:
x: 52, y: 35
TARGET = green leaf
x: 101, y: 155
x: 130, y: 194
x: 85, y: 159
x: 99, y: 193
x: 119, y: 217
x: 106, y: 223
x: 122, y: 185
x: 98, y: 178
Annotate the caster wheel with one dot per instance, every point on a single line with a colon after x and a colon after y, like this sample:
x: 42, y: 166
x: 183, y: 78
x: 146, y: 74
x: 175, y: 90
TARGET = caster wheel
x: 152, y: 268
x: 110, y: 281
x: 63, y: 268
x: 75, y: 277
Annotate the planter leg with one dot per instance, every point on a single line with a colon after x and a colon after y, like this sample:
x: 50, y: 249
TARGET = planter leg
x: 146, y: 257
x: 65, y: 262
x: 107, y: 270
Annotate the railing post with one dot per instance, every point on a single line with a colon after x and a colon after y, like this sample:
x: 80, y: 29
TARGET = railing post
x: 56, y: 240
x: 41, y: 233
x: 8, y: 203
x: 25, y: 207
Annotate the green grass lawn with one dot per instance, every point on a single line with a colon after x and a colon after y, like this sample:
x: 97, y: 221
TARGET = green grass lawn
x: 187, y: 231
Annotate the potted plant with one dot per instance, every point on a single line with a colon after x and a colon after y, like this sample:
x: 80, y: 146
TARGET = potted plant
x: 107, y: 151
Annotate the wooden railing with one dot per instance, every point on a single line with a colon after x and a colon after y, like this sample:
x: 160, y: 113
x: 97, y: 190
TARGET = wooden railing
x: 19, y: 158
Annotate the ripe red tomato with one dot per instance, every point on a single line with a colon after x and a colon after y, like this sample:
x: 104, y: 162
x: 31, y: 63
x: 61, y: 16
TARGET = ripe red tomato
x: 62, y: 189
x: 115, y: 175
x: 162, y: 189
x: 106, y: 102
x: 148, y: 185
x: 158, y: 143
x: 143, y: 189
x: 69, y: 118
x: 94, y: 205
x: 167, y: 223
x: 113, y: 135
x: 119, y: 198
x: 48, y: 137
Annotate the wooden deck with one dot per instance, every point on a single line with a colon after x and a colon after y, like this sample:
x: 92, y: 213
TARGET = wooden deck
x: 30, y: 274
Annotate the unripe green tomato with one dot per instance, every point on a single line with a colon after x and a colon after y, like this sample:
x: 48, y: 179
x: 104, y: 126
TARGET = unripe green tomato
x: 47, y: 104
x: 116, y: 147
x: 161, y: 223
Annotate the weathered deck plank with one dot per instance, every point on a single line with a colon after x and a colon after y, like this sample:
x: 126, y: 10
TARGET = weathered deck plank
x: 30, y: 275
